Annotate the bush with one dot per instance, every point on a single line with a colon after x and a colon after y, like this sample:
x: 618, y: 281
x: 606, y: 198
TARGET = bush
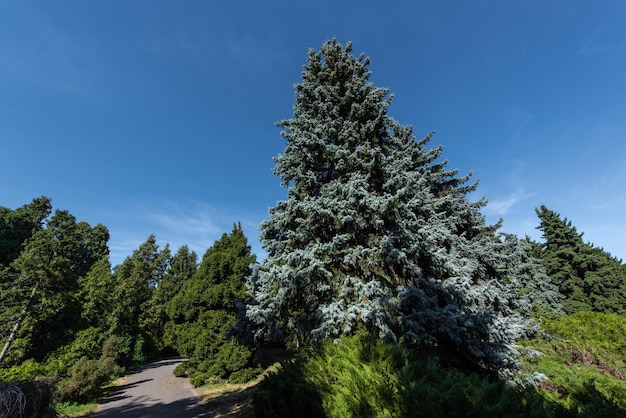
x: 28, y: 370
x: 198, y: 379
x: 86, y: 379
x: 287, y: 393
x: 244, y: 375
x: 87, y: 343
x: 362, y: 376
x: 181, y: 370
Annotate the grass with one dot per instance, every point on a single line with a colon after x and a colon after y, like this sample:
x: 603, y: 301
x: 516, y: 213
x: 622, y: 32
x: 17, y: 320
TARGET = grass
x: 227, y: 400
x: 74, y: 410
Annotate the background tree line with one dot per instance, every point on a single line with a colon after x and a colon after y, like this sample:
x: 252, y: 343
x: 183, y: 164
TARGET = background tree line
x: 67, y: 314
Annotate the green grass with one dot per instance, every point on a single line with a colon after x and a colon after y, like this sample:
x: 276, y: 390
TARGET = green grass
x: 584, y: 358
x: 74, y: 410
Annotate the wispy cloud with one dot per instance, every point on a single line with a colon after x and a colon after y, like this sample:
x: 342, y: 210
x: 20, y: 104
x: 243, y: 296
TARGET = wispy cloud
x: 593, y: 47
x: 253, y: 53
x: 502, y: 205
x: 194, y: 224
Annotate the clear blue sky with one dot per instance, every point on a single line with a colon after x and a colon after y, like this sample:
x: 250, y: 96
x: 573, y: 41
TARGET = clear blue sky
x: 156, y: 117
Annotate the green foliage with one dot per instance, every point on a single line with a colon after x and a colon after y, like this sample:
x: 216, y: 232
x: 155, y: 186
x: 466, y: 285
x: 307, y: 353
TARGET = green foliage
x: 589, y: 278
x: 584, y: 360
x: 44, y: 281
x: 244, y: 375
x: 86, y: 344
x: 136, y: 279
x: 204, y: 312
x: 180, y: 370
x: 199, y: 378
x: 366, y: 377
x: 182, y: 266
x: 97, y: 289
x: 287, y: 393
x: 86, y: 379
x: 27, y: 371
x: 17, y: 226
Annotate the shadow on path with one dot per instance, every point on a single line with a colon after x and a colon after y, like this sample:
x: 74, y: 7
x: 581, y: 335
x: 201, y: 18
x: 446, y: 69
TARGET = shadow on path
x: 186, y: 408
x: 153, y: 391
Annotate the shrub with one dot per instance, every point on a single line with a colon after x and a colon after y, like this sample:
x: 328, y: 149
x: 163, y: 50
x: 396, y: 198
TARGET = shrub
x: 287, y: 393
x: 244, y: 375
x: 365, y: 377
x: 86, y: 379
x: 181, y: 370
x: 28, y: 370
x: 87, y: 343
x: 198, y: 379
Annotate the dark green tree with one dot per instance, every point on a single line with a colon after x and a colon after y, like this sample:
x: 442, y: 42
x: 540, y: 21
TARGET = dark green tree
x: 154, y: 318
x: 136, y: 280
x: 44, y: 279
x: 589, y: 278
x: 377, y: 232
x: 183, y: 266
x: 17, y: 226
x: 205, y: 312
x: 97, y: 289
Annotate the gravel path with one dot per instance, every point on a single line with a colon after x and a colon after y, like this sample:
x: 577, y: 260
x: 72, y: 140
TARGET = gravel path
x: 154, y: 392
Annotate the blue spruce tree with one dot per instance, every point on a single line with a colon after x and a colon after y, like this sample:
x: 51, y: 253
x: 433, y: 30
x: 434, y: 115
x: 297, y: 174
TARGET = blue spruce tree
x: 377, y: 232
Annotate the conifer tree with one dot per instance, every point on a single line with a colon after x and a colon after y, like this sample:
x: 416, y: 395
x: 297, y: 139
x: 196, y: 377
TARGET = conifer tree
x: 377, y: 231
x: 204, y: 313
x: 589, y: 278
x: 43, y: 279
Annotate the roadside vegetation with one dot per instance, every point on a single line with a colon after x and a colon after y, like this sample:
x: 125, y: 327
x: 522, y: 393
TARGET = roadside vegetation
x: 383, y: 293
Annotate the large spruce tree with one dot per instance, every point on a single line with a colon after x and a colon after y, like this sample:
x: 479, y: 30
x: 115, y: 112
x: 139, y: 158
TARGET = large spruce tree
x: 376, y: 231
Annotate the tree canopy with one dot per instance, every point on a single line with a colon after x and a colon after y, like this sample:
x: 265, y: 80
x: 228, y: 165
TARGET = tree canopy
x: 589, y: 278
x: 204, y: 313
x: 377, y: 231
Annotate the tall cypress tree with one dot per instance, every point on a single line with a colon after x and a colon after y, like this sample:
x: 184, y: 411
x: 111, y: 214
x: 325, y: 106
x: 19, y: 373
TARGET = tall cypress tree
x: 376, y: 231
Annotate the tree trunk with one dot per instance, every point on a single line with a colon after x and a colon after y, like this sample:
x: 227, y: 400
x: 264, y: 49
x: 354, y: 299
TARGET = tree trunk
x: 18, y: 323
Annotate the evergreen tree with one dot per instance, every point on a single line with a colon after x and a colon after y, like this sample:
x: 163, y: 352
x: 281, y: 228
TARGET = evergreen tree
x: 97, y: 293
x: 205, y: 312
x: 376, y: 231
x: 182, y: 266
x: 528, y: 268
x: 135, y: 282
x: 17, y: 226
x: 44, y: 280
x: 589, y: 278
x: 136, y: 279
x: 181, y: 269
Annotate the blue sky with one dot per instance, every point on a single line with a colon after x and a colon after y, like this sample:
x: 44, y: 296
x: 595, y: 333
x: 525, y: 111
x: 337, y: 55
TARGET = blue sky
x: 156, y: 117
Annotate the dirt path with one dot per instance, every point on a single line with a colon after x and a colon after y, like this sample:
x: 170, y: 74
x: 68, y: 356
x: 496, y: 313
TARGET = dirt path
x: 154, y: 392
